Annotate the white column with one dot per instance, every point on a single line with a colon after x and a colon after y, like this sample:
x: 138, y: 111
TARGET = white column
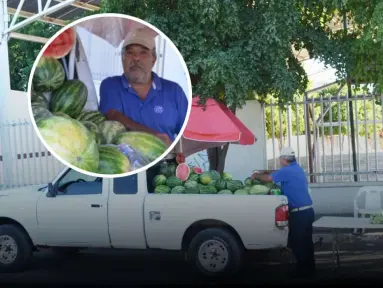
x: 5, y: 89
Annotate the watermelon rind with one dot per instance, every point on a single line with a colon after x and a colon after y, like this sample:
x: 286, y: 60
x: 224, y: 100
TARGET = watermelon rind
x: 70, y: 98
x: 109, y: 130
x: 162, y: 189
x: 146, y: 144
x: 71, y: 141
x: 112, y: 161
x: 49, y: 75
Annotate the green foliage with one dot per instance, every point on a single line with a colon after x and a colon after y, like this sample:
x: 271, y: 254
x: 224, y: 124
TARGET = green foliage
x: 22, y: 54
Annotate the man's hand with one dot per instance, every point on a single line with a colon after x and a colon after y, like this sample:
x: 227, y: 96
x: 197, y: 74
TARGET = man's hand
x: 164, y: 137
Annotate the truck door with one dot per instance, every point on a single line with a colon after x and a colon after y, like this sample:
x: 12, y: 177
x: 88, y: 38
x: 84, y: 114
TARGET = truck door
x: 126, y: 207
x: 77, y: 215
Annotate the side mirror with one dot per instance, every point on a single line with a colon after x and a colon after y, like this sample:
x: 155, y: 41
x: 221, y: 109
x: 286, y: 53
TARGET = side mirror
x: 51, y: 190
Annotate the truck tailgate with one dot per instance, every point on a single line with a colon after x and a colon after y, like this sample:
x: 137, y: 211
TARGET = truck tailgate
x: 167, y: 217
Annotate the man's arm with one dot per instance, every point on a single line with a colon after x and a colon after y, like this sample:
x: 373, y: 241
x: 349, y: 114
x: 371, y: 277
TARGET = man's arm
x: 262, y: 177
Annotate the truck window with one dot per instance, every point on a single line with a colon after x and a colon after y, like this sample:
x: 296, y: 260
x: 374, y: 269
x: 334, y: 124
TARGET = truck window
x: 76, y: 183
x: 125, y: 185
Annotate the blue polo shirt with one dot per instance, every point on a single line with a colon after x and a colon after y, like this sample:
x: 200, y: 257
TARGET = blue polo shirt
x: 164, y: 109
x: 293, y: 184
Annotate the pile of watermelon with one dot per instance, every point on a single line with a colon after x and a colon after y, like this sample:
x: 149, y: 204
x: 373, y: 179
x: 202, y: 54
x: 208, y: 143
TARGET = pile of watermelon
x: 185, y: 179
x: 85, y: 139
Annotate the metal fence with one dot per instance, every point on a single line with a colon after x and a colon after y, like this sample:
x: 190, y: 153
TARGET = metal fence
x: 321, y: 127
x: 23, y: 158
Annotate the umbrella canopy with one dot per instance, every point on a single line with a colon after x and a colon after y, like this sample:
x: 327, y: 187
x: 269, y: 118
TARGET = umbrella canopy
x: 113, y: 29
x: 212, y: 127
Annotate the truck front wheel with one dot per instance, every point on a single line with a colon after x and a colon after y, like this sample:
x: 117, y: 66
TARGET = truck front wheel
x: 15, y: 249
x: 216, y: 252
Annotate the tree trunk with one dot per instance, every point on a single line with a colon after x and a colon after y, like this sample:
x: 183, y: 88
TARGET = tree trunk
x: 217, y: 155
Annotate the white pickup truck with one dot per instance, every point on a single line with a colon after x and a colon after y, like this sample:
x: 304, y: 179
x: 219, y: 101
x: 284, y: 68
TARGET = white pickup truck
x: 77, y: 211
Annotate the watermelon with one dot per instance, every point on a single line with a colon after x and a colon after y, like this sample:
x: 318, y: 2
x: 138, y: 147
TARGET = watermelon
x: 71, y: 140
x: 194, y: 177
x: 109, y: 130
x: 178, y: 190
x: 173, y: 181
x: 275, y: 192
x: 112, y: 161
x: 220, y: 184
x: 234, y: 185
x: 144, y: 143
x: 93, y: 129
x: 183, y: 171
x: 93, y: 116
x: 159, y: 180
x: 39, y: 99
x: 191, y: 184
x: 70, y: 98
x: 247, y: 188
x: 61, y: 45
x: 205, y: 178
x: 256, y: 182
x: 162, y: 189
x: 248, y: 181
x: 225, y: 191
x: 171, y: 170
x: 49, y: 75
x: 40, y: 112
x: 215, y: 175
x: 197, y: 170
x: 241, y: 192
x: 163, y: 168
x: 212, y: 183
x: 61, y: 114
x: 206, y: 189
x: 192, y: 190
x: 259, y: 190
x: 226, y: 176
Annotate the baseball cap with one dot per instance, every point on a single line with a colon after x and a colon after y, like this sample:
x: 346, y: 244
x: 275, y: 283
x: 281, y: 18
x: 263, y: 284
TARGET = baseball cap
x: 140, y: 36
x: 287, y: 151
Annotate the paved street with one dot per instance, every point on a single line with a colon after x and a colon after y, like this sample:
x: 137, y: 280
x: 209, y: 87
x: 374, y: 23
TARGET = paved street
x: 140, y: 267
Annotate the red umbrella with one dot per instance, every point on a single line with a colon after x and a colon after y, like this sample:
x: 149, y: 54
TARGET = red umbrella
x: 212, y: 127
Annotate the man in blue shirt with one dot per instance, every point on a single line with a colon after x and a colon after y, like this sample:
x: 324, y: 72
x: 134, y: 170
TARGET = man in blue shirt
x: 295, y: 187
x: 139, y: 98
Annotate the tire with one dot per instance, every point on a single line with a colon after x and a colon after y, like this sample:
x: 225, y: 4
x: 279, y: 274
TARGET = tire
x: 15, y: 249
x: 230, y: 253
x: 66, y: 251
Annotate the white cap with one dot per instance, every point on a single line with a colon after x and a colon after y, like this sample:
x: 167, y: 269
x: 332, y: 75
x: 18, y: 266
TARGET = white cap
x: 287, y: 151
x: 140, y: 36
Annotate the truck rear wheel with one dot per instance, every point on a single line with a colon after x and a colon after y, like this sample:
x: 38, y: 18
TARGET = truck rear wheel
x: 15, y: 249
x: 216, y: 252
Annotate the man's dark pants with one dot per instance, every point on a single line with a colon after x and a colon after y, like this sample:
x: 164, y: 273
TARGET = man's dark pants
x: 301, y: 241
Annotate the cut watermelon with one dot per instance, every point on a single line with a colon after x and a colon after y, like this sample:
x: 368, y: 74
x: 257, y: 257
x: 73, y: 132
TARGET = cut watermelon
x: 61, y: 46
x: 197, y: 170
x: 183, y: 171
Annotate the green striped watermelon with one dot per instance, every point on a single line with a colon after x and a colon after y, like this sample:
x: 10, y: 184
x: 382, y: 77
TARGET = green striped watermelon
x: 162, y: 189
x: 71, y: 140
x: 93, y: 128
x: 215, y: 175
x: 205, y: 178
x: 70, y: 98
x: 39, y: 99
x: 178, y: 190
x: 207, y: 189
x: 226, y: 176
x: 234, y: 185
x: 173, y: 181
x: 159, y: 180
x: 225, y: 191
x: 147, y: 144
x: 212, y: 183
x: 163, y: 168
x: 248, y: 181
x: 194, y: 177
x: 112, y: 161
x: 40, y: 112
x: 220, y: 184
x: 62, y: 114
x: 49, y: 75
x: 241, y: 192
x: 109, y: 130
x: 93, y: 116
x: 171, y: 169
x: 191, y: 184
x: 192, y: 190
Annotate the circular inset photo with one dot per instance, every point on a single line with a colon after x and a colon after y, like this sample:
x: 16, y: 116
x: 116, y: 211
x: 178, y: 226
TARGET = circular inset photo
x: 110, y: 95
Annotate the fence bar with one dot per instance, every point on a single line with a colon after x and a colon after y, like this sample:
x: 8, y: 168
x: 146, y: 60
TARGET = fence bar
x: 332, y: 141
x: 365, y: 136
x: 323, y: 137
x: 273, y: 134
x: 375, y: 140
x: 297, y: 129
x: 340, y: 138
